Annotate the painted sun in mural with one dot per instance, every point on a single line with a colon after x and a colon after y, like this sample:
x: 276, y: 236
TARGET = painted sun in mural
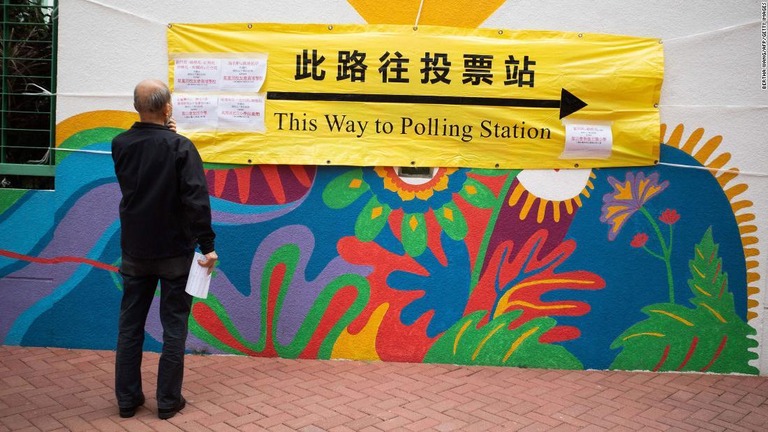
x: 553, y: 192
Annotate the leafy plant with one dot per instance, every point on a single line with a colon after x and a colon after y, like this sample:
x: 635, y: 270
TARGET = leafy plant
x: 708, y: 337
x: 495, y: 344
x: 523, y: 280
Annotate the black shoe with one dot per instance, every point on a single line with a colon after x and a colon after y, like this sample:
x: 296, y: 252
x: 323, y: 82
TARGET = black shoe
x: 131, y: 410
x: 167, y: 413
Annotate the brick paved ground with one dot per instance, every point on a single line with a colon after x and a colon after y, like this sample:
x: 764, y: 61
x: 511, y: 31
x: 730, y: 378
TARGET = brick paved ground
x: 58, y: 389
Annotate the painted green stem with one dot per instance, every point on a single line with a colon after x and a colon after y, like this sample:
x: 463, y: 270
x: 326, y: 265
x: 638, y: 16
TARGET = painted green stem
x: 652, y: 253
x: 666, y: 251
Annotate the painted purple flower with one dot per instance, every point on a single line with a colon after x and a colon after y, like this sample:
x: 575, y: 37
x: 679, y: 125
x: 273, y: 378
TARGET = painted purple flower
x: 627, y: 198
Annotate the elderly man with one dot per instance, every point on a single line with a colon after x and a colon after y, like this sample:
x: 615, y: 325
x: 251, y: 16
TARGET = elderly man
x: 165, y: 213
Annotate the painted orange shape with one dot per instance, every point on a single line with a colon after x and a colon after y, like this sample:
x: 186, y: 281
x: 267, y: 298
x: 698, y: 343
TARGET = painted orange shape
x: 454, y: 13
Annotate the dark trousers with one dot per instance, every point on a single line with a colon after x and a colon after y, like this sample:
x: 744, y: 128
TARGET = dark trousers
x: 175, y: 304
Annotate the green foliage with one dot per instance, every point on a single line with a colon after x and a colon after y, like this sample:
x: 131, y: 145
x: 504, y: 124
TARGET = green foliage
x: 452, y: 221
x: 345, y: 189
x: 371, y: 220
x: 414, y: 232
x: 477, y: 194
x: 495, y: 344
x: 708, y: 337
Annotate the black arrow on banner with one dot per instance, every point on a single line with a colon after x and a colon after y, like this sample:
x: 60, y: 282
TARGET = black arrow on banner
x: 568, y: 103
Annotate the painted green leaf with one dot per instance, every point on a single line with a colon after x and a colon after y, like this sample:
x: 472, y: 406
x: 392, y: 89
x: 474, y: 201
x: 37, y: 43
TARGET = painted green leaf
x: 414, y: 234
x: 707, y: 281
x: 371, y: 219
x: 489, y: 172
x: 477, y: 194
x: 345, y: 189
x: 708, y: 337
x: 495, y: 344
x: 452, y: 220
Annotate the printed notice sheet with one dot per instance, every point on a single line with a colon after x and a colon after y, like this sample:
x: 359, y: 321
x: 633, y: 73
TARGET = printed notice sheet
x: 193, y: 111
x: 199, y: 278
x: 587, y: 140
x: 243, y: 74
x: 196, y: 74
x: 243, y: 113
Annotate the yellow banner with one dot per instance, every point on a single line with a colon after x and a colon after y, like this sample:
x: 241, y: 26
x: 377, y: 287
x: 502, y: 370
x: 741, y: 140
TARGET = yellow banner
x: 385, y: 95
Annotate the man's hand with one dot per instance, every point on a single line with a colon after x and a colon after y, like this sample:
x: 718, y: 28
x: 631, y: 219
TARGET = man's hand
x: 171, y: 124
x: 209, y: 261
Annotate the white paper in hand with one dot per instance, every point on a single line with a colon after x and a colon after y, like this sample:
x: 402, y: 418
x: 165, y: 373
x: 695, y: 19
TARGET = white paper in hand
x: 199, y: 279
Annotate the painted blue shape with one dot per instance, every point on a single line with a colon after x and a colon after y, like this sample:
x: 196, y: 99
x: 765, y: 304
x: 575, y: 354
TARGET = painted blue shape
x: 446, y: 290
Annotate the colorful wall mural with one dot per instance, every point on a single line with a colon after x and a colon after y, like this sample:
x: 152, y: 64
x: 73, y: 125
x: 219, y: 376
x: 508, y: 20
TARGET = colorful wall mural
x: 467, y: 267
x: 645, y: 268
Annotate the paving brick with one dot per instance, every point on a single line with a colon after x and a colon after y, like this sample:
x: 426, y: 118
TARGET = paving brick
x: 273, y: 421
x: 754, y: 400
x: 222, y: 427
x: 731, y: 427
x: 536, y: 427
x: 423, y: 424
x: 395, y: 423
x: 15, y: 421
x: 333, y: 421
x: 363, y: 422
x: 757, y: 419
x: 245, y: 419
x: 303, y: 421
x: 730, y: 416
x: 45, y: 423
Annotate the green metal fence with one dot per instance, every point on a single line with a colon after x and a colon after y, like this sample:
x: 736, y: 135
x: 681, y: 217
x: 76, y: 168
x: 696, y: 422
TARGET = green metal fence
x: 28, y: 108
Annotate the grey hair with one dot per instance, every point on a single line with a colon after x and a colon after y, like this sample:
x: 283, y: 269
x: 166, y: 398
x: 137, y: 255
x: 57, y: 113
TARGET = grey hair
x: 153, y: 101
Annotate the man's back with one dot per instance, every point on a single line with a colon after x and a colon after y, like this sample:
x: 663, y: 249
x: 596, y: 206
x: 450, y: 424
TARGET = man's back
x: 165, y: 206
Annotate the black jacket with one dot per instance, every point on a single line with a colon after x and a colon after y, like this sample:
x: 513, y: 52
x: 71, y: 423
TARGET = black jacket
x: 165, y: 210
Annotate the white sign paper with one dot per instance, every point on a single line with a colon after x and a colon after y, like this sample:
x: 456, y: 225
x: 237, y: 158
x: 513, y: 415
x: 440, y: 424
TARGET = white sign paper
x: 193, y: 111
x: 242, y: 113
x: 196, y: 74
x: 587, y: 140
x: 243, y: 74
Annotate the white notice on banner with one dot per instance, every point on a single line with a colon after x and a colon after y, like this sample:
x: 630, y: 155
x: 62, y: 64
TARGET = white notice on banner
x: 196, y: 74
x: 587, y: 139
x: 193, y: 111
x: 241, y: 113
x: 243, y: 74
